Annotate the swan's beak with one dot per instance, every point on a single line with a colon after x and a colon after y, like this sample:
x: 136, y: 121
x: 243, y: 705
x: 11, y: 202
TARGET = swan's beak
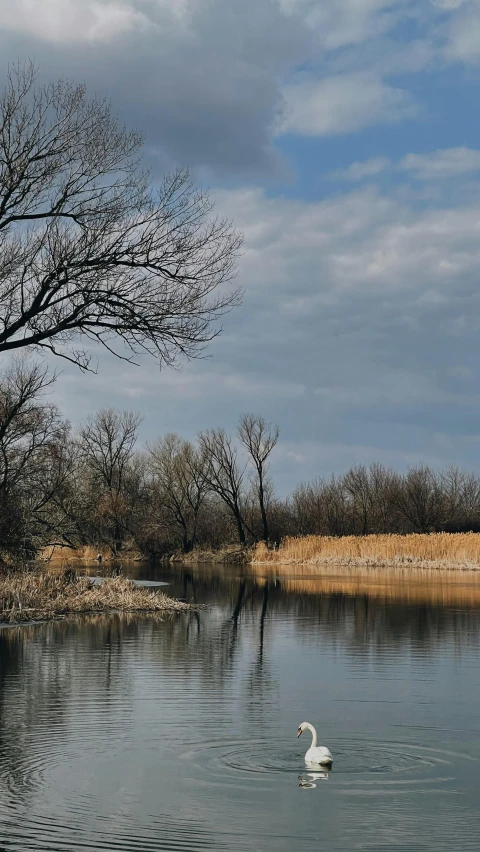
x: 299, y: 732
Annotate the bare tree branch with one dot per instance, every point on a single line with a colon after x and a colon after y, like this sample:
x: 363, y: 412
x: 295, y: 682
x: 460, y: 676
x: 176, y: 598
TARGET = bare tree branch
x: 87, y: 248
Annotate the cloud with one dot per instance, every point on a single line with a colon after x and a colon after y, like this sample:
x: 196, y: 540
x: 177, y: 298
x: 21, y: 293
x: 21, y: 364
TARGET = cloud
x: 446, y: 163
x: 448, y: 5
x: 361, y: 170
x: 436, y: 165
x: 67, y: 20
x: 209, y: 82
x: 463, y: 40
x: 342, y: 23
x: 342, y: 104
x: 200, y: 78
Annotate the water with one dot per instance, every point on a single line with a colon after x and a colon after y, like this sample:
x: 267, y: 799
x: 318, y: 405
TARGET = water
x: 137, y: 734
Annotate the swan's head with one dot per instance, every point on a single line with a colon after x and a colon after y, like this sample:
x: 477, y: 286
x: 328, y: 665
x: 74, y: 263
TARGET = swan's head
x: 301, y: 728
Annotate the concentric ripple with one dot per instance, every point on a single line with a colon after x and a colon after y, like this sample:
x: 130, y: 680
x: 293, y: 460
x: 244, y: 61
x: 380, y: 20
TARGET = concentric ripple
x: 223, y: 761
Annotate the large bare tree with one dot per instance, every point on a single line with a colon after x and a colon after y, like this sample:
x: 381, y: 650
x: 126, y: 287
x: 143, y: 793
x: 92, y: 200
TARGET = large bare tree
x: 32, y: 441
x: 179, y: 470
x: 259, y: 438
x: 106, y: 447
x: 88, y: 250
x: 224, y: 474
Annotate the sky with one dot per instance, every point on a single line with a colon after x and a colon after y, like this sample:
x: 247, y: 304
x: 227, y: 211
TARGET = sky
x: 342, y: 138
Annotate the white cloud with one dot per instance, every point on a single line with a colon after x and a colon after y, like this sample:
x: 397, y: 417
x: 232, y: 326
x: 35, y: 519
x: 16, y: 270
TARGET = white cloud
x: 437, y: 165
x: 445, y: 163
x: 60, y: 20
x: 317, y: 257
x: 200, y: 78
x: 464, y: 36
x: 341, y: 23
x: 341, y: 104
x: 361, y: 170
x: 204, y: 78
x: 448, y: 4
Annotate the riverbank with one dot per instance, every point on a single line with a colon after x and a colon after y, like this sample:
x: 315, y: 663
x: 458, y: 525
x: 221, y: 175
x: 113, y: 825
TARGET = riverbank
x: 459, y: 551
x: 232, y: 554
x: 42, y: 595
x: 61, y: 555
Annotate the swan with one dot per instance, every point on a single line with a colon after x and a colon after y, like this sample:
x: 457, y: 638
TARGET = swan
x: 316, y: 755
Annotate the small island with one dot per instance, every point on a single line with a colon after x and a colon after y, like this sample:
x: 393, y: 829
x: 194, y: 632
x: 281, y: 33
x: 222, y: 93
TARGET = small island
x: 40, y: 594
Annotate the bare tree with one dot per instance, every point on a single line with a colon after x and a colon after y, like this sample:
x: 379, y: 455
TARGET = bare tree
x: 107, y: 444
x: 420, y: 499
x: 27, y: 423
x: 259, y: 438
x: 356, y: 483
x: 87, y: 249
x: 461, y: 494
x: 384, y: 486
x: 31, y: 436
x: 179, y: 473
x: 305, y: 506
x: 223, y: 473
x: 50, y: 500
x: 336, y: 510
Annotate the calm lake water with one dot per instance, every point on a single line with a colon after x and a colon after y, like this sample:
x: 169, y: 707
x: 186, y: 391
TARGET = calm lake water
x: 137, y: 734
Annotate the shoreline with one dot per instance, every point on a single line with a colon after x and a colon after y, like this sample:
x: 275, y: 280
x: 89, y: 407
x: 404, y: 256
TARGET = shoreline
x: 230, y: 554
x: 365, y: 562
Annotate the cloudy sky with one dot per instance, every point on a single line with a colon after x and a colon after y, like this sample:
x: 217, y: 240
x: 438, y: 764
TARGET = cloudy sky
x: 342, y: 137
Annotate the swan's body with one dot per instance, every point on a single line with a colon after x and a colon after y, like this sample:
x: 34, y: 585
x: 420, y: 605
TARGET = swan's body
x: 316, y: 755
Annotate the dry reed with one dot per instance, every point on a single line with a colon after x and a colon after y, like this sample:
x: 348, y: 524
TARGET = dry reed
x: 63, y: 555
x: 446, y: 550
x: 35, y: 595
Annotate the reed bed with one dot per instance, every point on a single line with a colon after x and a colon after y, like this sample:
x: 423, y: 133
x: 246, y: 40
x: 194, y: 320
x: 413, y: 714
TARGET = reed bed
x: 35, y: 595
x: 445, y: 550
x: 62, y: 555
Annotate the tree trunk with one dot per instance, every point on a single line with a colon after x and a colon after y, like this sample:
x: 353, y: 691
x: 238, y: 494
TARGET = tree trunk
x: 241, y: 531
x: 263, y: 511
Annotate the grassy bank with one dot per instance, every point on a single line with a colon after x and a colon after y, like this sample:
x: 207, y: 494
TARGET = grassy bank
x: 228, y: 554
x: 59, y: 555
x: 442, y: 550
x: 34, y: 595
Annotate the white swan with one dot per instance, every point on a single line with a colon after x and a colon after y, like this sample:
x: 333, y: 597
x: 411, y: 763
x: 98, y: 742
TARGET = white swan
x: 316, y: 755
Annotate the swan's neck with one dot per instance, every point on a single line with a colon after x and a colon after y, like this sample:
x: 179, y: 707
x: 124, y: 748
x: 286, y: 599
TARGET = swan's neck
x: 314, y: 735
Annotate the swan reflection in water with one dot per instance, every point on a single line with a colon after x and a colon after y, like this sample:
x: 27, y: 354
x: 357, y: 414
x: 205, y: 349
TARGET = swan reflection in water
x: 309, y: 781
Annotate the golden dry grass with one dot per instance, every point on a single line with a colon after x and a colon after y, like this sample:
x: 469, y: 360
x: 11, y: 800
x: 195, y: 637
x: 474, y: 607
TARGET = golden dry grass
x: 41, y: 595
x: 446, y: 550
x: 62, y: 555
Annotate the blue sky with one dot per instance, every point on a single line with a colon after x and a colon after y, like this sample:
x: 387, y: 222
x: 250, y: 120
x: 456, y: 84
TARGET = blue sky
x: 342, y: 137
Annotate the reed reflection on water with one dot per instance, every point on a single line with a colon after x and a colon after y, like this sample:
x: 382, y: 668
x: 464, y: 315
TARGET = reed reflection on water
x: 133, y: 733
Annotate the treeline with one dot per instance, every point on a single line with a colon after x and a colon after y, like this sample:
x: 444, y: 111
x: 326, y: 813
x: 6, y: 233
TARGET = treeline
x: 95, y: 486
